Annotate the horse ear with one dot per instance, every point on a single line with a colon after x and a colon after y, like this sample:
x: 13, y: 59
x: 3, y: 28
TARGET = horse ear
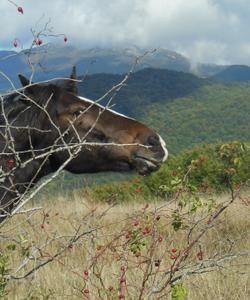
x: 73, y: 73
x: 72, y: 84
x: 24, y: 81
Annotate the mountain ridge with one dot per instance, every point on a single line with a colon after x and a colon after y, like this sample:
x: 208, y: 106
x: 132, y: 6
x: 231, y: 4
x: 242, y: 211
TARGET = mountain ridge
x: 57, y: 61
x: 233, y: 73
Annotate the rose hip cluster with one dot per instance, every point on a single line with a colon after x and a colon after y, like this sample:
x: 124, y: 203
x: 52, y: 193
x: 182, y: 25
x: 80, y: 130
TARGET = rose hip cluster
x: 37, y: 41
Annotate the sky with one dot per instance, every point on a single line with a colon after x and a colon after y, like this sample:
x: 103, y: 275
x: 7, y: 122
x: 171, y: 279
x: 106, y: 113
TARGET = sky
x: 209, y: 31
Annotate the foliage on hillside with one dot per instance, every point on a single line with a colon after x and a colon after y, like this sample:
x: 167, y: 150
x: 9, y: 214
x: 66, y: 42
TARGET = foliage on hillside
x: 213, y: 114
x: 210, y: 168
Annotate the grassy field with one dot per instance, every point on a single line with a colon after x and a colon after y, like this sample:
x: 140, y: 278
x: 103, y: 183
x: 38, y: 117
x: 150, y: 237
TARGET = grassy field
x: 126, y: 251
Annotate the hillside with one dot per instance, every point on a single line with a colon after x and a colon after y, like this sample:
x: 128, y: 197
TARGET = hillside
x: 143, y: 87
x: 214, y: 113
x: 185, y: 109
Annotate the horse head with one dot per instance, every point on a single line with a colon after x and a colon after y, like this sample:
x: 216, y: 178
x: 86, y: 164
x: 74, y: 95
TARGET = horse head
x: 47, y: 119
x: 112, y: 142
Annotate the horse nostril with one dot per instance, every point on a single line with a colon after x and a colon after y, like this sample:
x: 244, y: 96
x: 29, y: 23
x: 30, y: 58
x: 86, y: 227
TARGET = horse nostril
x: 153, y: 140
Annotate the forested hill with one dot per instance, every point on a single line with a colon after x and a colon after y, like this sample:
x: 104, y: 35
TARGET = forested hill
x: 215, y: 113
x: 185, y: 109
x: 142, y: 88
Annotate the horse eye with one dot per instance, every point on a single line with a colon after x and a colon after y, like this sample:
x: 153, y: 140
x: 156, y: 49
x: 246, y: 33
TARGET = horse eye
x: 78, y: 113
x: 98, y: 135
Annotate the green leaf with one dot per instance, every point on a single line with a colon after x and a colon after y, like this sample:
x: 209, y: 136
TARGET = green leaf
x: 178, y: 291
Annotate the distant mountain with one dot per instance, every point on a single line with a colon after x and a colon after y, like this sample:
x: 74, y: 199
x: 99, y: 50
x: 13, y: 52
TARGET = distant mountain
x: 207, y: 70
x: 234, y: 73
x: 56, y: 61
x: 53, y: 61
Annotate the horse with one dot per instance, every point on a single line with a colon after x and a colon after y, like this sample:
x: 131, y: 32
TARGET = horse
x: 47, y: 126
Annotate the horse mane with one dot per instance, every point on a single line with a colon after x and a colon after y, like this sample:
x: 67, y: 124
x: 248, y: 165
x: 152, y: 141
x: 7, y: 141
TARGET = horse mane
x: 26, y: 99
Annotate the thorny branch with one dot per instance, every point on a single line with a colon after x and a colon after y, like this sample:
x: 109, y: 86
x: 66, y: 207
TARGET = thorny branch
x: 39, y: 256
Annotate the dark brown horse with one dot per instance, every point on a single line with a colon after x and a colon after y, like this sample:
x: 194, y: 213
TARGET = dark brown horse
x: 46, y: 126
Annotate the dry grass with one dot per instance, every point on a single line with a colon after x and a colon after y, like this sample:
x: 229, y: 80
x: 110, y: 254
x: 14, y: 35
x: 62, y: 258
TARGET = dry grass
x: 64, y: 277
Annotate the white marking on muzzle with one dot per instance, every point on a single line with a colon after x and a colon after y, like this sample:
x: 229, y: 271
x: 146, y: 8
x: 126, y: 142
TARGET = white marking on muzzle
x: 163, y: 144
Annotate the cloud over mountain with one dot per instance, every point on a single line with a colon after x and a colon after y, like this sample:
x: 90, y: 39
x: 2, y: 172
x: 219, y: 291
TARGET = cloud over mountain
x: 204, y: 30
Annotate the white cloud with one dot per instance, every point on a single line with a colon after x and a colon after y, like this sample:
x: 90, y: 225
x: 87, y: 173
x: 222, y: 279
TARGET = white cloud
x: 205, y: 30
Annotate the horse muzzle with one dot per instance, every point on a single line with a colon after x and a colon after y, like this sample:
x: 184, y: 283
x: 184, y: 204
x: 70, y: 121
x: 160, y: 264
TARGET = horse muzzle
x: 148, y: 160
x: 145, y: 166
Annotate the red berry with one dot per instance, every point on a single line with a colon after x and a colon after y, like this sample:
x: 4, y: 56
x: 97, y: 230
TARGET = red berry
x: 15, y: 44
x: 42, y: 226
x: 128, y: 235
x: 137, y: 190
x: 160, y: 239
x: 20, y: 9
x: 86, y: 291
x: 174, y: 173
x: 174, y: 250
x: 146, y: 230
x: 10, y: 163
x: 123, y: 269
x: 174, y: 257
x: 86, y: 273
x: 200, y: 255
x: 122, y: 280
x: 65, y: 39
x: 136, y: 223
x: 38, y: 42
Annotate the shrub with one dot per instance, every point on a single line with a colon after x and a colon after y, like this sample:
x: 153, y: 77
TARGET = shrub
x: 214, y: 168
